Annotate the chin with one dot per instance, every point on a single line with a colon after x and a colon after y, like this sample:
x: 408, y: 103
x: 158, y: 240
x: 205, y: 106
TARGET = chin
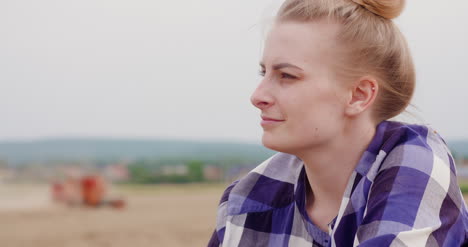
x: 276, y: 144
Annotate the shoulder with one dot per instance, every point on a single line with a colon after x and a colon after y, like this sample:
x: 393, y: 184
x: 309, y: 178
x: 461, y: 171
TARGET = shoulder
x: 270, y: 185
x: 418, y: 172
x: 415, y: 147
x: 415, y: 188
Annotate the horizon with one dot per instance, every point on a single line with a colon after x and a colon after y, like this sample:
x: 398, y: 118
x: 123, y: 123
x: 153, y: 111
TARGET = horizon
x: 155, y: 138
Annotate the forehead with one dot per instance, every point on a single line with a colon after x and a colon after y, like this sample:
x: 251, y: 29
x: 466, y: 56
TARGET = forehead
x: 302, y: 43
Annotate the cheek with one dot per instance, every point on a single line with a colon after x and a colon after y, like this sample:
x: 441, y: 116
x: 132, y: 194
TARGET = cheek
x: 313, y: 116
x: 317, y: 115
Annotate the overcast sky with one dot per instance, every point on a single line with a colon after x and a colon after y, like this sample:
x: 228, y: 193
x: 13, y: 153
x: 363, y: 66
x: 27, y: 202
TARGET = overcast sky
x: 184, y: 69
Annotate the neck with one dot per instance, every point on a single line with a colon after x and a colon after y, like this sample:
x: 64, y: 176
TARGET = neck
x: 328, y: 167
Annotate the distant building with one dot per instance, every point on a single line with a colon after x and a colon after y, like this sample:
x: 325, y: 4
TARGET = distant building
x: 238, y: 171
x: 174, y: 170
x: 71, y: 170
x: 212, y: 173
x: 117, y: 172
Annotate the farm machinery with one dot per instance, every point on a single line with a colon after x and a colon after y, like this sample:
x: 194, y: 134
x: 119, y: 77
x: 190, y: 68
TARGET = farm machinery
x: 91, y: 191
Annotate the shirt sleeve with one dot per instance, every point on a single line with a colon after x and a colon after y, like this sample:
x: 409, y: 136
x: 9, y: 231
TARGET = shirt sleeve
x: 413, y: 204
x: 217, y: 237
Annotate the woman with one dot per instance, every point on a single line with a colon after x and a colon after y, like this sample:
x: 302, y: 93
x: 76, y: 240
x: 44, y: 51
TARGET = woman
x: 334, y: 72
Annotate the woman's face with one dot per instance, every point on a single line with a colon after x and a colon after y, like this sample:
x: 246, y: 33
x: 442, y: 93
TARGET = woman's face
x: 300, y: 98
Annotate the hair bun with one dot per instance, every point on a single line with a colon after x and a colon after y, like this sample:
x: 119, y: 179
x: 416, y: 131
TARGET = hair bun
x: 386, y: 8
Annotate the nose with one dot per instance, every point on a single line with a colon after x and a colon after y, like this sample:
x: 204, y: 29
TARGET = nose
x: 261, y: 97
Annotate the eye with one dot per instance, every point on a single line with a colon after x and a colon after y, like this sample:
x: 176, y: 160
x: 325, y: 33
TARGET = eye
x: 261, y: 72
x: 287, y: 76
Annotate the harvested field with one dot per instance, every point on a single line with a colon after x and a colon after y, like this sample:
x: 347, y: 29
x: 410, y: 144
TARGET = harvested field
x: 159, y: 215
x: 163, y: 215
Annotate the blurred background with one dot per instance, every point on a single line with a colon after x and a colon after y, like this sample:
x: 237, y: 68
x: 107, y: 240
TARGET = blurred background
x: 123, y: 121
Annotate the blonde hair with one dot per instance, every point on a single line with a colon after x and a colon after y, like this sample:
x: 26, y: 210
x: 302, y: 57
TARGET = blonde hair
x: 371, y: 45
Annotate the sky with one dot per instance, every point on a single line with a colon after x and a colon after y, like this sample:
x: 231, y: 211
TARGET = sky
x: 184, y: 69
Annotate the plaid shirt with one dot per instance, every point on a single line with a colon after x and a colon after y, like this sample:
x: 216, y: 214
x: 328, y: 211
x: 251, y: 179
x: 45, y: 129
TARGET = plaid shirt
x: 403, y: 192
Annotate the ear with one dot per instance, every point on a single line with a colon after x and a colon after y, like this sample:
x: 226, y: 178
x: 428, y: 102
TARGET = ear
x: 361, y: 96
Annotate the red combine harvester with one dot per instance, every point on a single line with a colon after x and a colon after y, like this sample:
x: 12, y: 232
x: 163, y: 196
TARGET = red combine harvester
x: 89, y: 191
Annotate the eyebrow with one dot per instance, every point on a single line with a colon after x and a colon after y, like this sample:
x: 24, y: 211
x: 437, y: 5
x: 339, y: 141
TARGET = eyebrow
x: 281, y: 65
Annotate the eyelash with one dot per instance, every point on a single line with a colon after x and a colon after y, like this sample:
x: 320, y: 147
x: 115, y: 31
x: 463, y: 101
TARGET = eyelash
x: 287, y: 76
x: 283, y: 75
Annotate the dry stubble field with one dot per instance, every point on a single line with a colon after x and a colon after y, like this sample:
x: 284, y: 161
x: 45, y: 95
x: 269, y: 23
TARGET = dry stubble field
x: 162, y: 215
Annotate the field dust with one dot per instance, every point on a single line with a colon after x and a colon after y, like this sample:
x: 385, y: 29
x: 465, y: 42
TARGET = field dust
x: 160, y: 215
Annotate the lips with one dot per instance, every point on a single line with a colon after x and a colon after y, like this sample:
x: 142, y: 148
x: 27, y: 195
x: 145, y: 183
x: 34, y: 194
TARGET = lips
x: 267, y: 121
x: 271, y: 119
x: 265, y: 118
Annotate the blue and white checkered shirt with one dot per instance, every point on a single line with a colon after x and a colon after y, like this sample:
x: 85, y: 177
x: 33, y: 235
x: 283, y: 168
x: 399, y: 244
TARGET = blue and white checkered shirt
x: 403, y: 192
